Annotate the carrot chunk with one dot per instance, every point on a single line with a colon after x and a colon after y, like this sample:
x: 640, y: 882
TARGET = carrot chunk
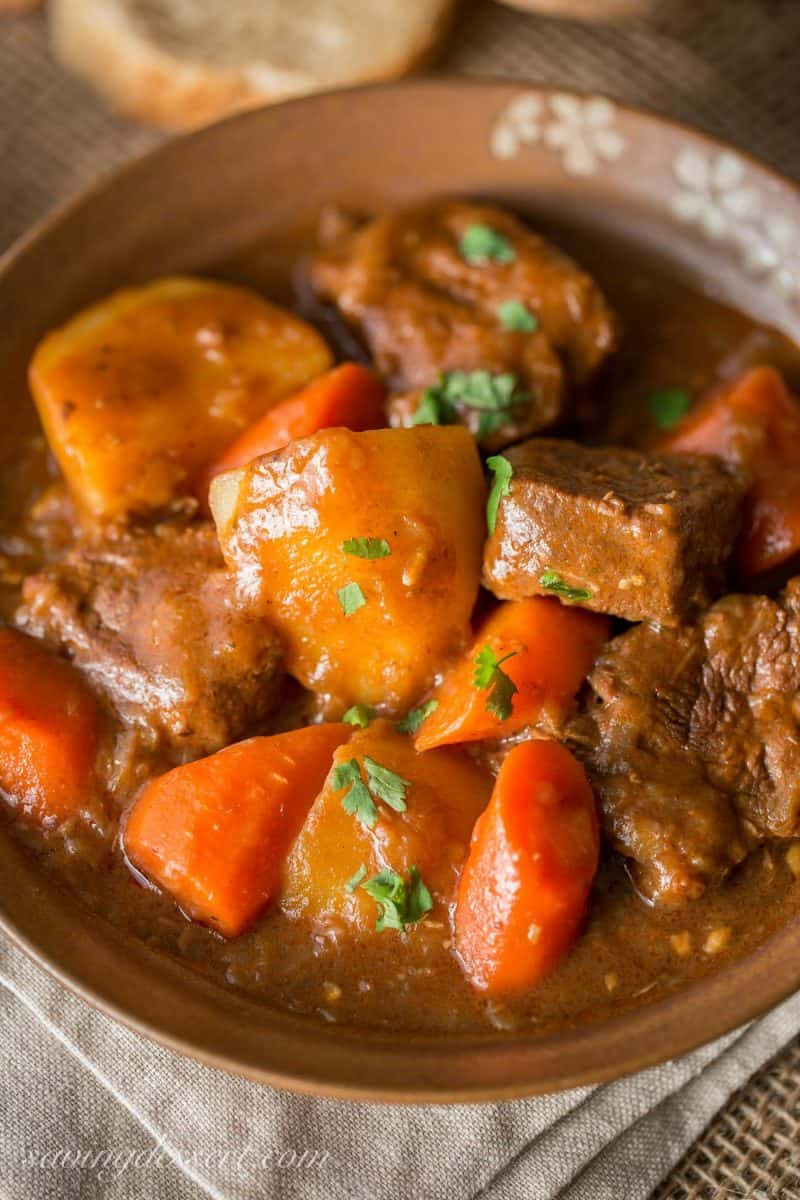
x: 49, y: 731
x: 544, y: 648
x: 523, y: 891
x: 215, y: 833
x: 754, y: 424
x: 350, y: 396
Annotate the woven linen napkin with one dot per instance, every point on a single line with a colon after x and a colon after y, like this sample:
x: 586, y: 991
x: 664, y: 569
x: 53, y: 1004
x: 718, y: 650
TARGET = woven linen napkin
x: 91, y: 1111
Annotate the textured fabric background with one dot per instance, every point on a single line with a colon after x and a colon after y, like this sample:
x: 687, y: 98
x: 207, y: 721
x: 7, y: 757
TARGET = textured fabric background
x: 730, y: 66
x: 75, y: 1083
x: 90, y: 1111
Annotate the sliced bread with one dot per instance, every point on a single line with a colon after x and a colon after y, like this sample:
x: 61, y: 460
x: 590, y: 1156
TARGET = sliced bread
x: 180, y: 63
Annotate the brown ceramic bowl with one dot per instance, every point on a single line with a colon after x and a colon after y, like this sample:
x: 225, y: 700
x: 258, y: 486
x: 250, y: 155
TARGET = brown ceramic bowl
x: 212, y: 202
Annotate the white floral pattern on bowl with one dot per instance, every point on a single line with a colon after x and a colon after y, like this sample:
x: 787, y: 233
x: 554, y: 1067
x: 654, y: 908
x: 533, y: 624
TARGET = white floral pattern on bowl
x: 518, y: 124
x: 715, y: 195
x: 581, y: 130
x: 715, y: 189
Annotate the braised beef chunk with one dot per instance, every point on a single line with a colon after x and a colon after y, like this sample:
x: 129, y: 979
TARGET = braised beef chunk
x: 746, y: 722
x: 692, y: 740
x: 151, y: 618
x: 455, y: 287
x: 657, y: 806
x: 616, y: 530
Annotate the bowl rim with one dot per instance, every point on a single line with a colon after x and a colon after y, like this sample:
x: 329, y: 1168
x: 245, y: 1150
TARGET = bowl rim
x: 593, y: 1053
x: 441, y: 81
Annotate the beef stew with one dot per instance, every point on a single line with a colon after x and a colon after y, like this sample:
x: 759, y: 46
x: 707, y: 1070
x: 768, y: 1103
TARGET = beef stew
x: 386, y: 867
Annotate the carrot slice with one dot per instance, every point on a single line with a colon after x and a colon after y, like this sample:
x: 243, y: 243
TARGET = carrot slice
x: 754, y: 424
x: 50, y: 729
x: 772, y: 521
x: 350, y: 395
x: 215, y: 833
x: 552, y: 648
x: 523, y: 891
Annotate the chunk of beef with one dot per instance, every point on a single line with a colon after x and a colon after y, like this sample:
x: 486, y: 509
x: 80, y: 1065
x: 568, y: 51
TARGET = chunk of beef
x: 424, y: 308
x: 151, y: 618
x: 619, y: 531
x: 746, y: 722
x: 656, y: 803
x: 692, y: 741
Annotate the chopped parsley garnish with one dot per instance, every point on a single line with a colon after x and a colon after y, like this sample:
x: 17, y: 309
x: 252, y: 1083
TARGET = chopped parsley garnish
x: 367, y: 547
x: 357, y: 878
x: 434, y: 409
x: 413, y: 719
x: 402, y: 903
x: 386, y: 785
x: 494, y: 397
x: 382, y: 784
x: 481, y: 243
x: 554, y: 583
x: 357, y: 801
x: 351, y: 598
x: 359, y: 714
x: 515, y: 316
x: 489, y: 677
x: 501, y: 486
x: 668, y: 406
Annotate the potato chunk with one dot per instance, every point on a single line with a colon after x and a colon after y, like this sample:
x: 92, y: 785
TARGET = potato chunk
x: 373, y: 622
x: 447, y: 793
x: 139, y: 393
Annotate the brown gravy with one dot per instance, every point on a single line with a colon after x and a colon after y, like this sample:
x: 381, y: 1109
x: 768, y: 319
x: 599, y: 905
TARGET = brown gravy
x: 629, y: 954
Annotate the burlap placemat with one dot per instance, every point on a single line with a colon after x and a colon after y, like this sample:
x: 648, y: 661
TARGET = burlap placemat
x: 752, y: 1147
x: 730, y: 66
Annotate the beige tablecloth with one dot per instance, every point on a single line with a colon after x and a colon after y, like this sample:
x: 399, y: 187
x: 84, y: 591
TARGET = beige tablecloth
x: 88, y: 1109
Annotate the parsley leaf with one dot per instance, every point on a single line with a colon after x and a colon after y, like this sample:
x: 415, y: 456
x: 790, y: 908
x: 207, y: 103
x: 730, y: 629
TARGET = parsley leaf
x: 413, y: 719
x: 359, y: 714
x: 481, y: 243
x: 668, y: 406
x: 501, y: 486
x: 367, y: 547
x: 356, y: 879
x: 489, y: 677
x: 434, y: 409
x: 402, y: 903
x: 494, y: 397
x: 420, y: 901
x: 486, y: 664
x: 356, y: 802
x: 500, y: 699
x: 386, y: 785
x: 390, y: 891
x: 515, y: 316
x: 351, y: 598
x: 382, y: 784
x: 554, y: 583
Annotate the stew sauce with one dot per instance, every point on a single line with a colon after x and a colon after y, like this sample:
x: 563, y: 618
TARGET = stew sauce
x: 630, y: 950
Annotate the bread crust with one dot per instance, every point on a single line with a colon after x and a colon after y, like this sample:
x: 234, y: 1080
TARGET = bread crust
x: 18, y: 6
x: 96, y: 40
